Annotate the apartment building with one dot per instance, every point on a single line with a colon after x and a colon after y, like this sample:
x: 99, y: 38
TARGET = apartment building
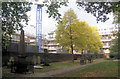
x: 16, y: 38
x: 106, y: 37
x: 29, y: 39
x: 52, y: 45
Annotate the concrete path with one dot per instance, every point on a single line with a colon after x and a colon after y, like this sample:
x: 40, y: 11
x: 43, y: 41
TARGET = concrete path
x: 53, y: 73
x: 56, y: 72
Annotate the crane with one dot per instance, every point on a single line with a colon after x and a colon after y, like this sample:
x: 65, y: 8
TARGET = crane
x: 39, y: 25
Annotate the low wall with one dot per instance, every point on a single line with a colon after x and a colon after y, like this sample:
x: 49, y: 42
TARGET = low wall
x: 38, y: 58
x: 13, y: 47
x: 52, y: 57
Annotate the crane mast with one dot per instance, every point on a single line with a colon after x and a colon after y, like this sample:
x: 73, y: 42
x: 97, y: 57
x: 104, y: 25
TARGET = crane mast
x: 39, y: 27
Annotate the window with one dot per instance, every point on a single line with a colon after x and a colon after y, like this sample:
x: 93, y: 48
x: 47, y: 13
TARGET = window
x: 109, y: 37
x: 110, y: 43
x: 14, y: 37
x: 105, y: 44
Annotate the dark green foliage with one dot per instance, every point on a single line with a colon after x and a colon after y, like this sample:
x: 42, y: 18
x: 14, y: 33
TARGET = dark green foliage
x: 107, y: 58
x: 13, y: 13
x: 117, y: 17
x: 114, y: 49
x: 100, y: 9
x: 114, y: 55
x: 53, y: 9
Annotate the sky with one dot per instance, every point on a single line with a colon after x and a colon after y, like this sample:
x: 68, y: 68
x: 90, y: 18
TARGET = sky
x: 49, y: 24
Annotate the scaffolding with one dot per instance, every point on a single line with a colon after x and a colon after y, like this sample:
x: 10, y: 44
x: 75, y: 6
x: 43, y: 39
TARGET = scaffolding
x: 39, y: 27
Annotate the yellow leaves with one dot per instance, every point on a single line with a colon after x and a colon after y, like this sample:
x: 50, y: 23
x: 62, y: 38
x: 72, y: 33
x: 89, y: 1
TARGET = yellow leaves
x: 83, y: 35
x: 69, y: 17
x: 89, y: 36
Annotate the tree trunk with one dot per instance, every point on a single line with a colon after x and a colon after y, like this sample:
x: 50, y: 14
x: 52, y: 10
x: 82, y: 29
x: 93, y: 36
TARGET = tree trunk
x: 119, y: 43
x: 71, y: 45
x: 72, y: 53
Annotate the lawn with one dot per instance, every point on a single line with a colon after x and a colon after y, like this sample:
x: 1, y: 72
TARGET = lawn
x: 63, y: 64
x: 104, y: 69
x: 58, y: 65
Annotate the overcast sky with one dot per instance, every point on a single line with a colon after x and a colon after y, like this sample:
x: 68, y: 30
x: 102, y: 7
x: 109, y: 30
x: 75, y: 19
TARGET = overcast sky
x: 49, y: 24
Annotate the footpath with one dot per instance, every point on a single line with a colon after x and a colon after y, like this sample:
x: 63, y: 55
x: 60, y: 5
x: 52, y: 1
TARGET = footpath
x: 54, y: 73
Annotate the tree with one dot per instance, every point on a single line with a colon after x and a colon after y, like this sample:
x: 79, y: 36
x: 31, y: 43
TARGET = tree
x: 13, y: 14
x: 114, y: 47
x: 94, y: 43
x: 86, y: 37
x: 64, y: 34
x: 73, y: 34
x: 98, y: 9
x: 53, y: 7
x: 116, y: 17
x: 101, y: 9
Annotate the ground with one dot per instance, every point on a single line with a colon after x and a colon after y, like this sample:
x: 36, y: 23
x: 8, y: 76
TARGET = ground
x: 60, y: 71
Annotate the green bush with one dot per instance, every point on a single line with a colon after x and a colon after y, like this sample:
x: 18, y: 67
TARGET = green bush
x: 107, y: 58
x: 114, y: 55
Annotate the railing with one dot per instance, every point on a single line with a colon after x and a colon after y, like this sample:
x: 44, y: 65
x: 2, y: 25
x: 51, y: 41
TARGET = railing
x: 106, y: 39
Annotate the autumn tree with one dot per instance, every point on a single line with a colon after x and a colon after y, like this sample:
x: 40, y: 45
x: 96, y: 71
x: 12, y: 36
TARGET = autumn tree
x: 64, y: 33
x: 94, y: 40
x: 86, y: 37
x: 74, y: 34
x: 101, y: 9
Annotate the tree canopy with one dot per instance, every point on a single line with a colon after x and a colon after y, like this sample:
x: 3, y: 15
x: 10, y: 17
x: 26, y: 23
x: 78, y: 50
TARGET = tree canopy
x: 13, y: 14
x: 74, y: 34
x: 65, y: 28
x: 18, y: 9
x: 99, y: 9
x: 53, y: 9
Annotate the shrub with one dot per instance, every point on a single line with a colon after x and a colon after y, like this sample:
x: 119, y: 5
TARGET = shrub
x: 114, y: 55
x: 107, y: 58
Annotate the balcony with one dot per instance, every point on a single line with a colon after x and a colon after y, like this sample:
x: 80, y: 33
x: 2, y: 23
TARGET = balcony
x: 106, y: 40
x: 105, y: 33
x: 51, y: 44
x: 49, y: 39
x: 106, y: 46
x: 52, y: 48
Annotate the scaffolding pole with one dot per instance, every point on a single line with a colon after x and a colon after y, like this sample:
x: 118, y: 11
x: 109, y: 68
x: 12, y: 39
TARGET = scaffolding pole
x: 39, y: 27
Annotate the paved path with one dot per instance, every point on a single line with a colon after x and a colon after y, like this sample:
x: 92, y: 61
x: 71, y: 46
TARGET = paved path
x: 61, y: 70
x: 53, y: 73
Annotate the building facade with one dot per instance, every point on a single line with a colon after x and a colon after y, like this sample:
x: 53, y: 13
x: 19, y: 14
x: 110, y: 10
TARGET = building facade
x: 29, y: 40
x: 16, y: 38
x: 106, y: 34
x: 52, y: 45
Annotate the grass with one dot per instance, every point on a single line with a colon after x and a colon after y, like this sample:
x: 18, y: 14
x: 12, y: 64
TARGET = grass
x: 58, y: 65
x: 104, y: 69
